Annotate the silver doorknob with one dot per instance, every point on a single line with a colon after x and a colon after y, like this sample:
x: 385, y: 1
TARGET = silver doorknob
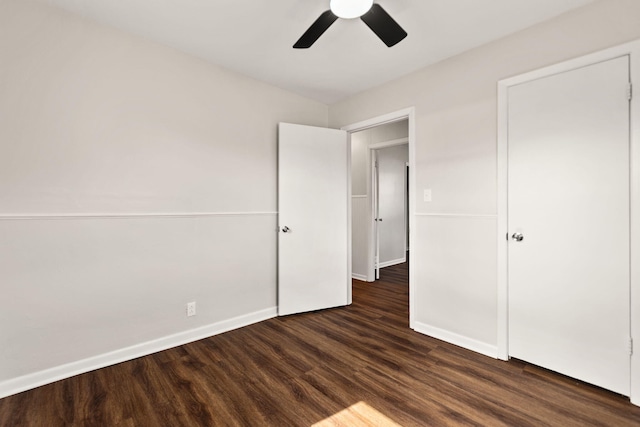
x: 285, y: 229
x: 518, y: 237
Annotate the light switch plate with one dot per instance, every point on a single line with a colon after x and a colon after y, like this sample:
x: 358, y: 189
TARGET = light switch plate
x: 427, y: 194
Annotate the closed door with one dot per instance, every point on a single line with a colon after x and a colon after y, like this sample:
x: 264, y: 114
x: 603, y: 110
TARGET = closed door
x: 568, y: 215
x: 313, y: 216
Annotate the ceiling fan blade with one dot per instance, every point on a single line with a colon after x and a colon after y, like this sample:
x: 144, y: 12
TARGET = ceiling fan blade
x: 384, y: 25
x: 316, y: 30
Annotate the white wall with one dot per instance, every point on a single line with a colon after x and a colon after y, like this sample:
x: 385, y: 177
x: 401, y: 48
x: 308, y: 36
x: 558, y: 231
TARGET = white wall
x: 360, y: 142
x: 360, y: 225
x: 361, y: 191
x: 133, y: 179
x: 456, y: 107
x: 392, y: 176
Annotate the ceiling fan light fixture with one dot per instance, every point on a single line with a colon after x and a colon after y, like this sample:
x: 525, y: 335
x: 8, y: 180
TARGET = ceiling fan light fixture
x: 349, y: 9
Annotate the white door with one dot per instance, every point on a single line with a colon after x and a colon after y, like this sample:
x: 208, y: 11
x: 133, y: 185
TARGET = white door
x: 376, y: 211
x: 568, y: 202
x: 313, y: 215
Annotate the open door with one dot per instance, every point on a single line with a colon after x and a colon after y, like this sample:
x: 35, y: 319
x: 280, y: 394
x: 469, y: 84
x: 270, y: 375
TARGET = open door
x: 376, y: 211
x: 313, y: 218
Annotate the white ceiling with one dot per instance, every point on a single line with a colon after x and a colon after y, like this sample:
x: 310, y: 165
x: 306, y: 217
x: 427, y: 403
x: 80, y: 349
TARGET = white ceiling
x: 254, y: 37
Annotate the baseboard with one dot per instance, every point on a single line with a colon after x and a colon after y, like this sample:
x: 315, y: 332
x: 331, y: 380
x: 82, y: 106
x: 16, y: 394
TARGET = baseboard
x: 459, y: 340
x: 361, y: 277
x: 393, y: 262
x: 47, y: 376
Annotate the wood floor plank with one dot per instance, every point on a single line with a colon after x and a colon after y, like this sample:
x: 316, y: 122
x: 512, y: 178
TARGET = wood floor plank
x: 353, y: 366
x: 348, y: 391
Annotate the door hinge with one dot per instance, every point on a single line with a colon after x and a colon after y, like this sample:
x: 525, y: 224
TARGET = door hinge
x: 630, y: 91
x: 630, y: 346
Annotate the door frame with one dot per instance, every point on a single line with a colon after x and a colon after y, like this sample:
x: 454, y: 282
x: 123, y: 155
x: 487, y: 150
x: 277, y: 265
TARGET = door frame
x: 372, y: 238
x: 633, y: 51
x: 409, y: 115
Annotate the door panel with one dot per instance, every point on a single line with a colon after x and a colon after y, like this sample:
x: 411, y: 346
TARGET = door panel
x: 313, y: 205
x: 569, y: 198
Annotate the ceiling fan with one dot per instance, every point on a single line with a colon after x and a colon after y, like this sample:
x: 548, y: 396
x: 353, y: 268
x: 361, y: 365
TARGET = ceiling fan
x: 376, y: 18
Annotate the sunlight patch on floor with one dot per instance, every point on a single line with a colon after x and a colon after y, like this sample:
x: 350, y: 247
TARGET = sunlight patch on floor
x: 359, y: 414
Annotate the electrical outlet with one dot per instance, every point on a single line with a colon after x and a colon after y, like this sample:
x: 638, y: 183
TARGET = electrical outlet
x: 191, y: 309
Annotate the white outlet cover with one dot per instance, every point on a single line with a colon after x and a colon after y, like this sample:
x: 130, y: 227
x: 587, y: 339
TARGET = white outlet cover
x: 427, y: 194
x: 191, y: 309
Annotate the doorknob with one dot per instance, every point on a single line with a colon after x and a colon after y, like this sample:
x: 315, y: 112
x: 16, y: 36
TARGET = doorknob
x: 379, y: 219
x: 285, y: 229
x: 518, y: 237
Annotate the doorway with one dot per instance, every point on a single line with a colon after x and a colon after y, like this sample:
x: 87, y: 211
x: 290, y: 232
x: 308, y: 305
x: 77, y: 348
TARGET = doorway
x: 378, y: 174
x: 389, y: 185
x: 368, y: 140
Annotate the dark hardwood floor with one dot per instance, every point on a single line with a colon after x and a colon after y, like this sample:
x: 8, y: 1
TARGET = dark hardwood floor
x: 358, y: 365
